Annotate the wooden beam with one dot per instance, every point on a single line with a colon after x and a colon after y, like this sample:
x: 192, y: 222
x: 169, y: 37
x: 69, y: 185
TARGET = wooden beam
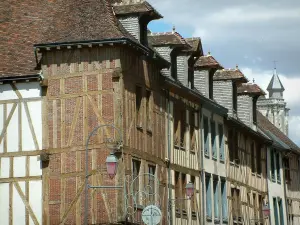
x: 33, y: 99
x: 20, y: 127
x: 17, y: 179
x: 26, y: 203
x: 74, y: 121
x: 31, y: 126
x: 7, y: 122
x: 73, y: 203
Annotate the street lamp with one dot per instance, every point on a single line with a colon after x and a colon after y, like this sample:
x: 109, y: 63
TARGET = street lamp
x: 111, y: 164
x: 189, y: 188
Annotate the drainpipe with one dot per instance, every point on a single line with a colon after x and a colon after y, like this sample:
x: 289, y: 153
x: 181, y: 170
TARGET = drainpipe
x: 201, y: 167
x: 169, y: 209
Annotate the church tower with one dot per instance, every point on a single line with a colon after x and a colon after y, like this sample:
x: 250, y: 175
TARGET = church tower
x: 274, y: 107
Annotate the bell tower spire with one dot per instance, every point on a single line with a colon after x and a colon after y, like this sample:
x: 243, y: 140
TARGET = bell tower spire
x: 274, y: 108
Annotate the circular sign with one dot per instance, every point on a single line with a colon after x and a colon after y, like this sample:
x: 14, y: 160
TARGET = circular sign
x: 151, y: 215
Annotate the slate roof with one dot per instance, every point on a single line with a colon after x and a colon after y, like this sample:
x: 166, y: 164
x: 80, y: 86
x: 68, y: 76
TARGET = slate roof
x: 230, y: 74
x: 207, y: 61
x: 35, y: 22
x: 136, y: 8
x: 267, y: 127
x: 167, y: 38
x: 249, y: 88
x: 195, y: 43
x: 275, y: 84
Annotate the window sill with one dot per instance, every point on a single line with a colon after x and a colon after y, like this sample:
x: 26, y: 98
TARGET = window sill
x: 258, y: 175
x: 215, y: 158
x: 206, y: 156
x: 208, y: 219
x: 149, y: 132
x: 225, y: 221
x: 222, y: 160
x: 139, y: 127
x: 217, y: 221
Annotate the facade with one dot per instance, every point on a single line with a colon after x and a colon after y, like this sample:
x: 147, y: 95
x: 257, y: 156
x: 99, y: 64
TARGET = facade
x: 178, y: 115
x: 274, y: 107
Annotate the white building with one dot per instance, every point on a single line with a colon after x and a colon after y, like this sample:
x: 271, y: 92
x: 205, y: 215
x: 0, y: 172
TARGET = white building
x: 274, y: 107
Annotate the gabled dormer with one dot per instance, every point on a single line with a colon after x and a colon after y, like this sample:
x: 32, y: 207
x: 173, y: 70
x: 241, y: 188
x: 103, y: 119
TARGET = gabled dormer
x: 170, y: 46
x: 181, y: 53
x: 248, y: 93
x: 134, y: 15
x: 225, y: 83
x: 205, y: 67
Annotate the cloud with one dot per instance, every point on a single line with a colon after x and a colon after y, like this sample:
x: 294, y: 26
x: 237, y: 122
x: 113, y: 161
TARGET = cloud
x: 233, y: 29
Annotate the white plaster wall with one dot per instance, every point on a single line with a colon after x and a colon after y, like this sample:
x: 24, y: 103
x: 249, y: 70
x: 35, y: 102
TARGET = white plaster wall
x: 27, y: 90
x: 275, y: 189
x: 18, y: 206
x: 35, y: 200
x: 4, y: 203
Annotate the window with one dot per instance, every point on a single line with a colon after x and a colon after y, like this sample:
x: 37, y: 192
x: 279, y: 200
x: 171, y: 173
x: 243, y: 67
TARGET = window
x: 191, y: 72
x: 224, y: 200
x: 273, y: 166
x: 236, y: 203
x: 221, y: 142
x: 280, y: 207
x: 193, y: 198
x: 148, y: 109
x: 151, y: 182
x: 183, y: 192
x: 252, y: 158
x: 210, y: 84
x: 136, y: 164
x: 230, y: 145
x: 234, y: 97
x: 275, y: 211
x: 138, y: 103
x: 216, y: 198
x: 258, y: 159
x: 233, y: 146
x: 192, y: 130
x: 213, y: 139
x: 182, y: 128
x: 177, y: 125
x: 260, y: 206
x: 208, y: 197
x: 278, y: 168
x: 206, y: 141
x: 174, y: 64
x: 286, y: 166
x: 177, y: 191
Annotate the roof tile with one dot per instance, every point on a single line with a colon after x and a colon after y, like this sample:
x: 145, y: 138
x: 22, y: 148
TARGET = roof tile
x: 264, y: 124
x: 208, y: 61
x: 249, y: 88
x: 35, y: 22
x: 229, y: 74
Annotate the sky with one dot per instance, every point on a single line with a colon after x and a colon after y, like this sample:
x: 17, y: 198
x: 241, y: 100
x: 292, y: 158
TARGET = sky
x: 250, y: 34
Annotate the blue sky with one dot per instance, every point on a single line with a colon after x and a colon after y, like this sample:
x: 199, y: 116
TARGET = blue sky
x: 250, y: 34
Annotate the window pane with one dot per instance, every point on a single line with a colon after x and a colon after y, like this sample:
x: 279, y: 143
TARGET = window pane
x: 224, y: 200
x: 221, y: 142
x: 216, y: 199
x: 208, y: 197
x: 206, y: 142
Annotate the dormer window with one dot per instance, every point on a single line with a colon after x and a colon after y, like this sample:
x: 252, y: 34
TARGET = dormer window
x: 174, y: 64
x: 234, y: 96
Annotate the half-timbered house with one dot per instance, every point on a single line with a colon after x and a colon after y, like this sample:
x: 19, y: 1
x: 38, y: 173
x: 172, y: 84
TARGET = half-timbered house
x: 246, y: 148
